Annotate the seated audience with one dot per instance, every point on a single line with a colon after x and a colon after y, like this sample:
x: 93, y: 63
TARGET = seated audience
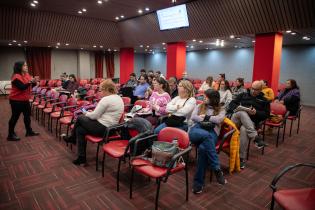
x: 290, y: 97
x: 139, y: 92
x: 217, y: 83
x: 172, y: 82
x: 206, y: 84
x: 72, y: 85
x: 132, y: 82
x: 267, y: 91
x: 142, y: 72
x: 225, y: 93
x: 159, y: 74
x: 238, y: 88
x: 151, y: 73
x: 181, y: 106
x: 107, y: 113
x: 248, y: 119
x: 205, y: 138
x: 64, y: 80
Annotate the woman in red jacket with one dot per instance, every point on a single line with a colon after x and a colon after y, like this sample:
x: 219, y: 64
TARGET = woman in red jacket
x: 19, y: 99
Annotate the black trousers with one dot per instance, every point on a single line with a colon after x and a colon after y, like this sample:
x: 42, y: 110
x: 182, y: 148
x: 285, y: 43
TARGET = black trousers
x: 83, y: 127
x: 18, y: 107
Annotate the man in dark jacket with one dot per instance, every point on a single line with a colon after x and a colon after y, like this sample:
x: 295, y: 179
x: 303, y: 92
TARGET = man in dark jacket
x: 249, y: 109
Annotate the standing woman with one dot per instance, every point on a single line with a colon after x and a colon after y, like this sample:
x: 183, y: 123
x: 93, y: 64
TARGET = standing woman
x: 19, y: 99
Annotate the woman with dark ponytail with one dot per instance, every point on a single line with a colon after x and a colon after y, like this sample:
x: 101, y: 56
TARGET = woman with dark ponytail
x: 205, y: 137
x: 19, y: 99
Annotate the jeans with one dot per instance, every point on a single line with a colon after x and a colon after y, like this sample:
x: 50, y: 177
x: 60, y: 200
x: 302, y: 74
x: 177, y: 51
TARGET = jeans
x: 18, y: 107
x: 207, y: 155
x: 83, y: 127
x: 163, y: 125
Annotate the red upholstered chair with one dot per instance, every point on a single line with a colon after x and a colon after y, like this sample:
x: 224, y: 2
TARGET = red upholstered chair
x: 58, y: 83
x: 247, y: 85
x: 83, y: 82
x: 42, y: 83
x: 90, y: 95
x: 110, y: 134
x: 94, y: 87
x: 199, y: 102
x: 40, y: 92
x: 145, y: 167
x: 51, y: 83
x: 41, y: 105
x: 142, y: 103
x: 120, y: 149
x: 293, y: 199
x: 277, y: 109
x: 293, y: 118
x: 127, y: 103
x: 56, y: 107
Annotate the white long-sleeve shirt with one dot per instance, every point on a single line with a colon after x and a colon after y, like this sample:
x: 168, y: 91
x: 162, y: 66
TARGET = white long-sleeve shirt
x: 108, y: 111
x: 184, y: 110
x: 225, y: 97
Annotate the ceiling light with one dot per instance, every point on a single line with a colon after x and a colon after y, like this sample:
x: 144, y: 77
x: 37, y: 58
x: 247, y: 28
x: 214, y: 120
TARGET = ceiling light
x: 163, y: 43
x: 207, y: 48
x: 25, y: 41
x: 33, y: 5
x: 235, y: 46
x: 94, y: 46
x: 187, y: 46
x: 194, y: 40
x: 288, y: 31
x: 148, y: 46
x: 293, y: 33
x: 80, y: 12
x: 81, y: 48
x: 100, y: 2
x: 9, y: 44
x: 200, y: 41
x: 49, y: 46
x: 67, y: 44
x: 238, y: 37
x: 147, y: 9
x: 145, y: 50
x: 253, y: 41
x: 191, y: 46
x: 101, y: 46
x: 222, y: 43
x: 116, y: 50
x: 173, y: 1
x: 57, y: 47
x: 35, y: 2
x: 306, y: 38
x: 217, y: 42
x: 84, y: 10
x: 121, y: 16
x: 140, y: 11
x: 58, y: 43
x: 117, y: 18
x: 14, y: 41
x: 141, y: 45
x: 109, y: 49
x: 232, y: 36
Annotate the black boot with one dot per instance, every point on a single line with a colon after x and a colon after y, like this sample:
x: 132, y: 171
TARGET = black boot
x: 80, y: 160
x: 220, y: 178
x: 31, y: 133
x: 13, y: 137
x: 69, y: 139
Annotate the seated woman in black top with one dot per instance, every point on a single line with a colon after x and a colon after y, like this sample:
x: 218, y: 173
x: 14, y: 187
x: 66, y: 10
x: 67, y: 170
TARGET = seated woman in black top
x: 290, y: 97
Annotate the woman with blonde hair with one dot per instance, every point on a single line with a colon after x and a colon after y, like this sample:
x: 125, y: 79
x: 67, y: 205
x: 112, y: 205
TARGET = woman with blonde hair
x: 206, y: 84
x: 180, y: 107
x: 107, y: 113
x: 205, y: 137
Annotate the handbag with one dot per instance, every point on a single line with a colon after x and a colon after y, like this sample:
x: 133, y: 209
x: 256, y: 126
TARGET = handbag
x: 206, y: 124
x: 163, y: 152
x: 174, y: 120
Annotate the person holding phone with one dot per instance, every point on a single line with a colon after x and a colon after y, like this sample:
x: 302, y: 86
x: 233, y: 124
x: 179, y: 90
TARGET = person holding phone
x: 19, y: 97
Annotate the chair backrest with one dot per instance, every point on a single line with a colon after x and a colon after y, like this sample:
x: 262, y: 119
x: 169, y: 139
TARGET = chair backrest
x: 42, y: 83
x: 63, y: 98
x: 87, y: 86
x: 247, y: 85
x: 48, y: 93
x: 142, y: 103
x: 71, y: 101
x: 277, y: 109
x: 83, y: 82
x: 43, y: 91
x: 51, y: 83
x: 38, y: 90
x: 34, y: 89
x: 58, y: 83
x: 126, y: 100
x: 55, y: 94
x: 94, y: 87
x: 168, y: 134
x: 199, y: 102
x: 225, y: 136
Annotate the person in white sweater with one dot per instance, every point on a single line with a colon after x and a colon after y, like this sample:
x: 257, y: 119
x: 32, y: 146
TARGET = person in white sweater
x: 181, y: 106
x: 225, y: 93
x: 107, y: 113
x: 206, y: 84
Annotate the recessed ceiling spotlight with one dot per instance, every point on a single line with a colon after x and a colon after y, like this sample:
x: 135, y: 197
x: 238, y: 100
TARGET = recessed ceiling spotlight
x: 306, y: 38
x: 238, y: 37
x: 148, y: 46
x: 194, y: 40
x: 25, y: 41
x: 94, y: 46
x: 200, y: 41
x: 67, y: 44
x: 147, y: 9
x: 187, y: 46
x: 207, y: 48
x: 117, y: 18
x: 81, y: 48
x: 288, y: 31
x: 140, y: 11
x: 101, y: 46
x: 235, y: 46
x: 57, y: 47
x: 109, y: 49
x: 9, y: 44
x: 141, y: 45
x: 253, y: 41
x: 164, y: 48
x: 14, y: 41
x: 33, y: 4
x: 100, y: 2
x: 80, y: 12
x: 116, y: 50
x: 163, y: 43
x: 232, y: 36
x: 122, y: 16
x: 222, y: 43
x: 58, y: 43
x: 146, y: 50
x: 49, y: 46
x: 83, y: 10
x: 191, y: 46
x: 217, y: 42
x: 293, y: 33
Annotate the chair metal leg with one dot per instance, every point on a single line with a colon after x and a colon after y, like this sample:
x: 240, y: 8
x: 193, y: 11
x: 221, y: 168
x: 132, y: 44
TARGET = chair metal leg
x: 131, y: 182
x: 291, y: 128
x: 278, y: 136
x: 98, y: 148
x: 57, y: 122
x: 157, y: 193
x: 284, y: 125
x: 247, y: 155
x: 59, y: 132
x: 117, y: 178
x: 298, y: 128
x: 103, y: 164
x: 44, y: 116
x: 272, y: 204
x: 187, y: 184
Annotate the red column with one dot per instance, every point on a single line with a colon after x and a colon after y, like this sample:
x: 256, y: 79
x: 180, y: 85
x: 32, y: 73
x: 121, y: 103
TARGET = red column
x: 176, y: 59
x: 267, y: 59
x: 126, y: 63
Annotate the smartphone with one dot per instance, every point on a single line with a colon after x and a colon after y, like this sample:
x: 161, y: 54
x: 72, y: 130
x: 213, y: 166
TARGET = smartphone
x: 83, y: 110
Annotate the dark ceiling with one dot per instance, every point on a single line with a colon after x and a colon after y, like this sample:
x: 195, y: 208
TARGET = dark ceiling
x: 53, y: 22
